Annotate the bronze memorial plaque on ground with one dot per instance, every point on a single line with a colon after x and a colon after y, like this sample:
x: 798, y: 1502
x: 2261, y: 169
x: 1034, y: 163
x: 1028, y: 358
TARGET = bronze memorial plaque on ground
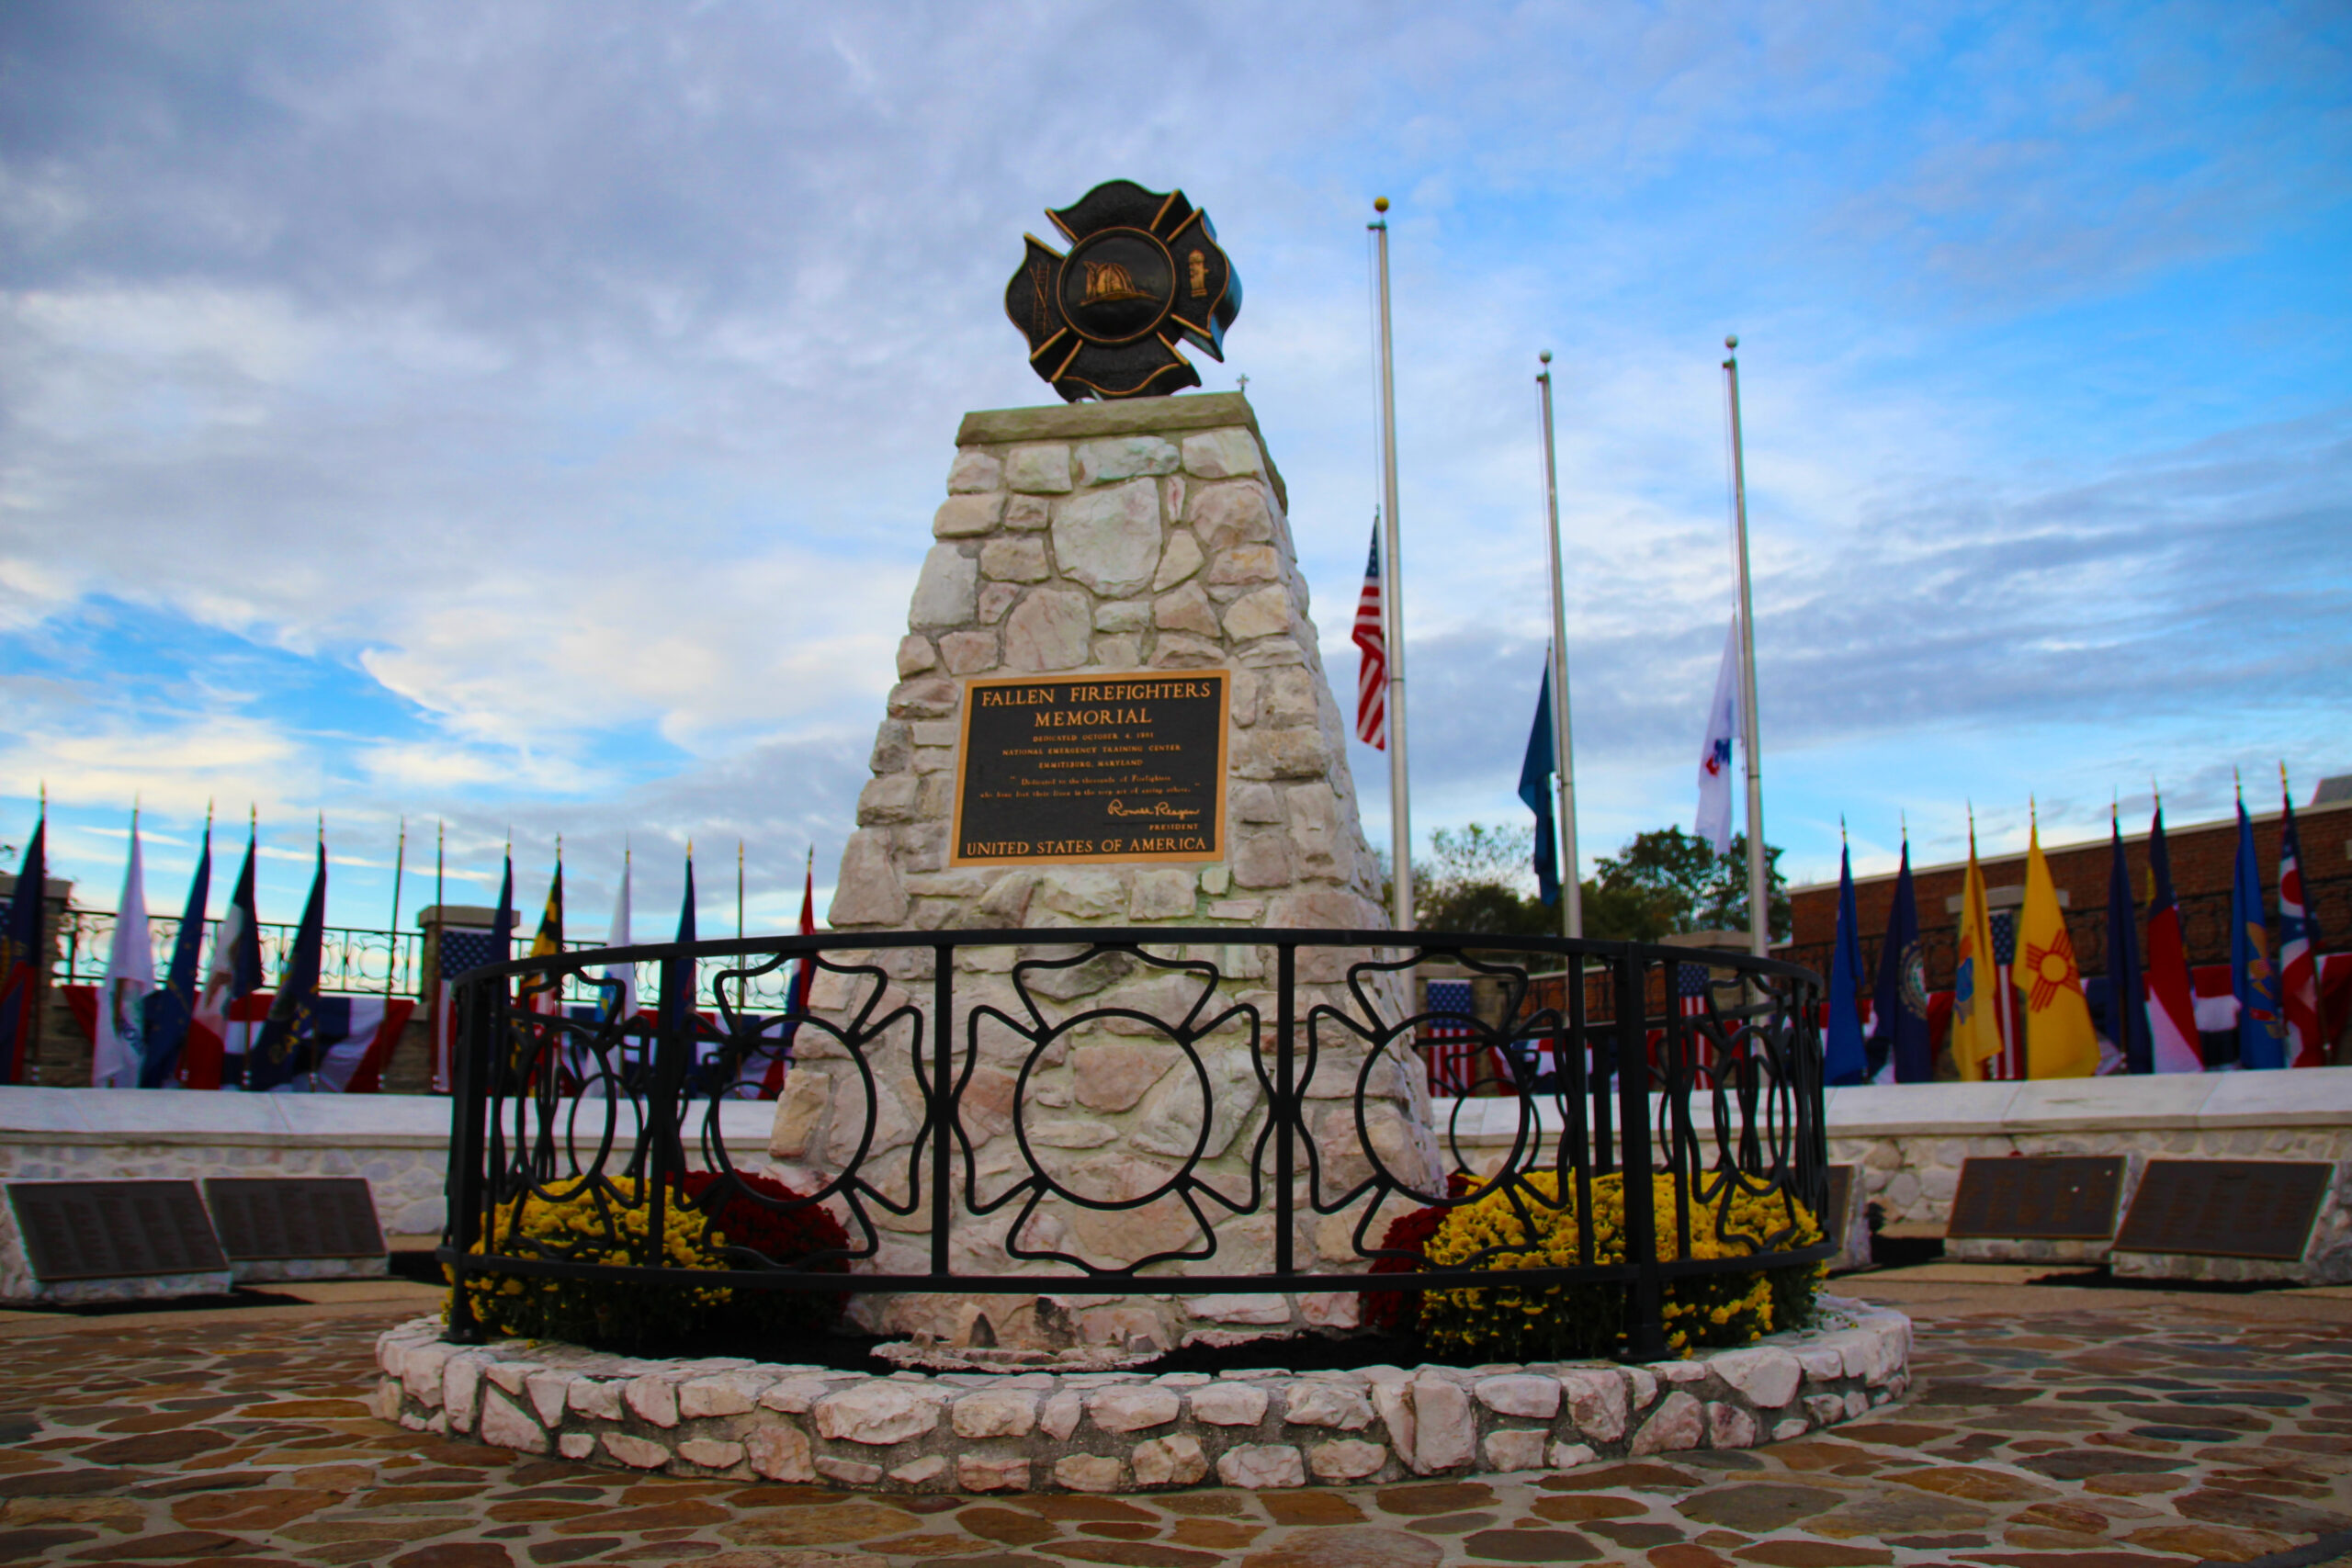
x: 1841, y: 1193
x: 2225, y: 1208
x: 276, y: 1217
x: 2037, y: 1197
x: 1094, y: 769
x: 109, y: 1230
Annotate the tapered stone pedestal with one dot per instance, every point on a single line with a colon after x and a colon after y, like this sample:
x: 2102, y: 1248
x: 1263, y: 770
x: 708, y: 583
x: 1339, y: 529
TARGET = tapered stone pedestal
x: 1111, y: 539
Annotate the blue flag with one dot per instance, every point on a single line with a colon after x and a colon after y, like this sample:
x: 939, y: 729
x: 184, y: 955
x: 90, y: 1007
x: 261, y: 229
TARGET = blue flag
x: 1536, y: 788
x: 170, y: 1008
x: 2127, y: 995
x: 286, y: 1052
x: 678, y: 973
x: 1843, y: 1061
x: 2262, y: 1034
x: 21, y: 956
x: 1900, y: 1006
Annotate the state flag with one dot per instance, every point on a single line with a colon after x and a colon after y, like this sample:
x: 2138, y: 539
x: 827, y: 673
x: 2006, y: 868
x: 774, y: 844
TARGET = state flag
x: 2262, y: 1033
x: 1977, y: 980
x: 2127, y: 998
x: 118, y: 1043
x: 233, y: 974
x: 1844, y: 1060
x: 171, y: 1008
x: 1713, y: 820
x: 288, y: 1049
x: 2173, y: 1044
x: 2297, y: 946
x: 2060, y: 1041
x: 23, y: 952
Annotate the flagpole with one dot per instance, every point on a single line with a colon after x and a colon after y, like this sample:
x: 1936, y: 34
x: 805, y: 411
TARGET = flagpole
x: 739, y: 890
x: 1572, y: 891
x: 1392, y: 596
x: 392, y: 958
x: 1759, y: 912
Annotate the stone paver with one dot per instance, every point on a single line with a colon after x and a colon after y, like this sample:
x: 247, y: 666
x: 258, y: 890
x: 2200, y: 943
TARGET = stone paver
x: 2065, y: 1428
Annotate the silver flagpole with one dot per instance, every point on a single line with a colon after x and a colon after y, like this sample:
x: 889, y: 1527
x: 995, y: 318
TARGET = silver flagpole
x: 1759, y: 913
x: 1572, y: 891
x: 1392, y: 598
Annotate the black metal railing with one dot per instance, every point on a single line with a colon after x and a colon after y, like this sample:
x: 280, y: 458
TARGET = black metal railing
x: 937, y: 1065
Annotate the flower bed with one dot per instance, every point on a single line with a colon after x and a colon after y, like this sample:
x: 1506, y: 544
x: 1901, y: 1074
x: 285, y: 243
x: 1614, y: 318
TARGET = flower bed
x: 1118, y: 1431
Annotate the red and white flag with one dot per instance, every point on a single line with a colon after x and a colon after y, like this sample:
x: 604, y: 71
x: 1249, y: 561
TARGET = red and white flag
x: 2298, y: 966
x: 2173, y: 1045
x: 1372, y: 636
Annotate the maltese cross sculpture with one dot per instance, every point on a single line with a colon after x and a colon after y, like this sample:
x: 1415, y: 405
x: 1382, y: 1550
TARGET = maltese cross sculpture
x: 1143, y: 269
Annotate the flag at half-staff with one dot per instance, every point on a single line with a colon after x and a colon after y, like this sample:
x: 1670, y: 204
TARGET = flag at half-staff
x: 2297, y: 946
x: 1713, y: 822
x: 1535, y: 789
x: 1371, y: 637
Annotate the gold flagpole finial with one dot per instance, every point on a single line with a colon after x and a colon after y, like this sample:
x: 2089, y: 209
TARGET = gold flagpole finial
x: 2283, y: 788
x: 1380, y: 204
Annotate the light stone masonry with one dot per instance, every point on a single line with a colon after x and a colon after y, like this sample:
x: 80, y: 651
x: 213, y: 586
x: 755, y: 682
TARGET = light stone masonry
x: 1104, y: 539
x: 1113, y: 1431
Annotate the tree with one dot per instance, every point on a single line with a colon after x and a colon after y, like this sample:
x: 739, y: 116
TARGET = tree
x: 1482, y: 879
x: 1667, y: 881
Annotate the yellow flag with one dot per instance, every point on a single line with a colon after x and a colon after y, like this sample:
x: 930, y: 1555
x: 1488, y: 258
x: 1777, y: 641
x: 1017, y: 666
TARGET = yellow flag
x: 1976, y: 981
x: 2059, y: 1040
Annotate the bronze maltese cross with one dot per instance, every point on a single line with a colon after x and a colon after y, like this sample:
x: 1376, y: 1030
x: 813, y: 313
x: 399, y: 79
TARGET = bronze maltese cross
x: 1143, y: 269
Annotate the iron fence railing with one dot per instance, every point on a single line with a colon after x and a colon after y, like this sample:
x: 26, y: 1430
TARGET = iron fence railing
x: 946, y: 1057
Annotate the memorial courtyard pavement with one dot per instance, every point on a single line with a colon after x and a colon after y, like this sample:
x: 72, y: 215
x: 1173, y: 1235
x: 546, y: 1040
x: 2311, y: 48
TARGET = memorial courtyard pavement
x: 2070, y: 1426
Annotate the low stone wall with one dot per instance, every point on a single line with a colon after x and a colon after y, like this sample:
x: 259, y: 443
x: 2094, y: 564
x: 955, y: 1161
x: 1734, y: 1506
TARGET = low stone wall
x: 400, y: 1142
x: 1907, y: 1140
x: 1123, y: 1431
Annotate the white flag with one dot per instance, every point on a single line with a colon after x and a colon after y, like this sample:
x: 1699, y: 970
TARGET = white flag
x: 1714, y: 757
x: 618, y: 937
x: 131, y: 975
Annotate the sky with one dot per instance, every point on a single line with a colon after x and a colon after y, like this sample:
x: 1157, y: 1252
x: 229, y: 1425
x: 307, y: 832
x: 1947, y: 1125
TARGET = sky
x: 527, y: 418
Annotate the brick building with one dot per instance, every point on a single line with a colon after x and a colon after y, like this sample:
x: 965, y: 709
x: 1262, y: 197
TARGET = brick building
x: 2203, y: 856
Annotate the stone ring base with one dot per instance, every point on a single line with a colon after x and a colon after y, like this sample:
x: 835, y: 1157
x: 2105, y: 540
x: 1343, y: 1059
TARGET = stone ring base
x: 1131, y: 1431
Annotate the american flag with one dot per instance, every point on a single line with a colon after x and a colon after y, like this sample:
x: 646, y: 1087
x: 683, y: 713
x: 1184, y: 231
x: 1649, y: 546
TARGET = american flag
x: 1453, y: 1066
x: 461, y: 950
x: 2010, y: 1062
x: 1690, y: 989
x: 1371, y: 636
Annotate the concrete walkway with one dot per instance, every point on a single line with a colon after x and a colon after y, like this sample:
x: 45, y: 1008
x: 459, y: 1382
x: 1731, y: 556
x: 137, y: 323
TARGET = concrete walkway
x: 2047, y: 1424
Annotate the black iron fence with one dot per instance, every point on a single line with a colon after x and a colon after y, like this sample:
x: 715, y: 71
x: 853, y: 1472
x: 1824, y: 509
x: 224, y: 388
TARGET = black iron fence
x: 1288, y: 1125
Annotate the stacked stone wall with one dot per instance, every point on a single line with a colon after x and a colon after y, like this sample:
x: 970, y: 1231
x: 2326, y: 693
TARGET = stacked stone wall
x: 1109, y: 539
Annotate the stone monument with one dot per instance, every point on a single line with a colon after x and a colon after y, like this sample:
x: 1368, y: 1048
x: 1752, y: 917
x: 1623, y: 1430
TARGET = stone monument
x: 1111, y: 711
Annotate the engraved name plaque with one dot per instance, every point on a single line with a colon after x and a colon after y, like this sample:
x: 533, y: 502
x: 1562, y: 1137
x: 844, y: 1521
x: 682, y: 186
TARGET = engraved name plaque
x: 276, y: 1217
x: 1100, y: 768
x: 2037, y: 1197
x: 111, y: 1230
x: 2225, y: 1208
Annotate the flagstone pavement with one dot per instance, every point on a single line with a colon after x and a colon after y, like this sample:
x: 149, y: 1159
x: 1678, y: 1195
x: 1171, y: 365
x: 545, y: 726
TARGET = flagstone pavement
x: 2065, y: 1426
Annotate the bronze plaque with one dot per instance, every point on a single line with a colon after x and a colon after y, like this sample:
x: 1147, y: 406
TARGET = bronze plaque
x: 112, y: 1230
x: 272, y: 1217
x: 2037, y: 1197
x: 2225, y: 1208
x: 1841, y: 1193
x: 1095, y: 768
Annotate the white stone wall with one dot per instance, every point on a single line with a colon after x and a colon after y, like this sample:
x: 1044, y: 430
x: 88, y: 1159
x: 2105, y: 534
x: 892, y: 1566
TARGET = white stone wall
x: 1128, y: 1431
x: 1147, y: 536
x: 1907, y: 1140
x: 398, y: 1143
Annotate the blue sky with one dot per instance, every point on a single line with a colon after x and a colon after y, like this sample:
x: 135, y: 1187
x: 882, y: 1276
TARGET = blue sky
x: 527, y: 417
